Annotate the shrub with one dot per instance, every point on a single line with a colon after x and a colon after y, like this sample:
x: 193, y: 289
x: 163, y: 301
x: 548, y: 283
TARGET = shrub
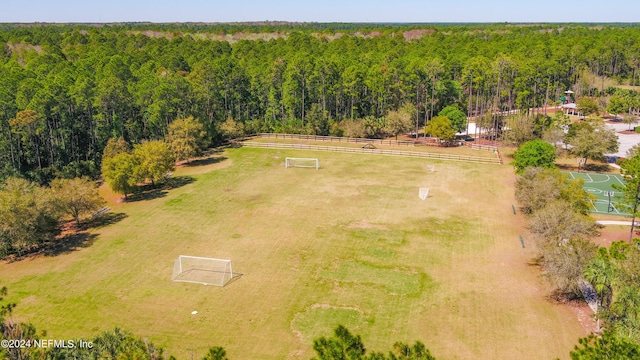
x: 534, y: 153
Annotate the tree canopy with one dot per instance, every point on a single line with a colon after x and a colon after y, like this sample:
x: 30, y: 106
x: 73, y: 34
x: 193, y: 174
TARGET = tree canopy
x: 76, y: 197
x: 344, y: 345
x: 154, y: 160
x: 630, y: 197
x: 442, y: 128
x: 186, y: 137
x: 614, y: 274
x: 609, y: 346
x: 587, y: 105
x: 398, y: 122
x: 120, y: 173
x: 27, y: 216
x: 536, y: 187
x: 594, y: 143
x: 535, y: 153
x: 457, y: 117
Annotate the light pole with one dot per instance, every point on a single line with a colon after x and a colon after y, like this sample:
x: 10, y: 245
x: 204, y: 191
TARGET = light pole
x: 608, y: 194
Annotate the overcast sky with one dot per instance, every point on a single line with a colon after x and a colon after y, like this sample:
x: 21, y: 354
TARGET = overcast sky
x: 320, y: 10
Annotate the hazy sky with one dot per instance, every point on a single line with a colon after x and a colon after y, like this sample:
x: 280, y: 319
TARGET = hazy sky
x: 320, y: 11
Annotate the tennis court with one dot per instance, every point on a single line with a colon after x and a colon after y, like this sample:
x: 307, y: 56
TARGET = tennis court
x: 600, y: 185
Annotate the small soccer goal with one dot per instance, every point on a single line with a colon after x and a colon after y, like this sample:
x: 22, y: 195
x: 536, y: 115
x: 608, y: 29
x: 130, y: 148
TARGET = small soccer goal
x: 202, y: 270
x: 423, y: 193
x: 310, y: 163
x: 431, y: 168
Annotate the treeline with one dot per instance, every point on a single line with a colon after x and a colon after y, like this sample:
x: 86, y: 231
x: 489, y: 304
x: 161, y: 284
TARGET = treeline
x: 86, y: 84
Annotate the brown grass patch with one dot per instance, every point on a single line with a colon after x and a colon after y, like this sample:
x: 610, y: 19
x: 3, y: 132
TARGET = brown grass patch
x: 364, y: 224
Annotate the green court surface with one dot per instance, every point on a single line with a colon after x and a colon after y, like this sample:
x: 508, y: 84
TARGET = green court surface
x: 600, y: 185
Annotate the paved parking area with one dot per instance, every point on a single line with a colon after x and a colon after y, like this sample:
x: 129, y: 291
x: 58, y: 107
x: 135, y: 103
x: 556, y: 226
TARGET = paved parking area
x: 626, y: 141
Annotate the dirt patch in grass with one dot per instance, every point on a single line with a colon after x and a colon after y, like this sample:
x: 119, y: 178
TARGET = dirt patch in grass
x: 580, y: 309
x: 613, y: 233
x: 584, y: 314
x: 364, y: 224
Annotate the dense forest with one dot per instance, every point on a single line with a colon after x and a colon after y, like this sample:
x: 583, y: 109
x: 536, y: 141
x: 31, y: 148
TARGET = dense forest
x: 83, y: 84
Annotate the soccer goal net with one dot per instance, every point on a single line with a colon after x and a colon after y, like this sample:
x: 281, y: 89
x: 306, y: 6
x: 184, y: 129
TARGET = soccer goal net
x: 201, y: 270
x: 302, y: 163
x: 431, y: 168
x: 423, y: 193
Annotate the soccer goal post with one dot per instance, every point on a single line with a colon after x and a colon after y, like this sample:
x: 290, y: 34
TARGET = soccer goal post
x: 202, y: 270
x: 423, y: 193
x: 431, y: 168
x: 302, y: 163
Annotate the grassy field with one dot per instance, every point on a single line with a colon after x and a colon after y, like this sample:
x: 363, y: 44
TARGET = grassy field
x: 348, y: 244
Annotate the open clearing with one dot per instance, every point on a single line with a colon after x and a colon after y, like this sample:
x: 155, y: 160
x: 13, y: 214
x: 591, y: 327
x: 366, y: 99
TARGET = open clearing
x: 351, y: 244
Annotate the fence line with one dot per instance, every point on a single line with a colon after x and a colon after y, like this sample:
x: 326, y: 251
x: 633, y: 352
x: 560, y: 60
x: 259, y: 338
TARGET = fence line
x: 418, y: 142
x: 414, y: 154
x: 335, y: 139
x: 483, y: 147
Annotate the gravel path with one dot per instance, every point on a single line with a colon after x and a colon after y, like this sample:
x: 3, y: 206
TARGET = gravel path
x: 613, y: 222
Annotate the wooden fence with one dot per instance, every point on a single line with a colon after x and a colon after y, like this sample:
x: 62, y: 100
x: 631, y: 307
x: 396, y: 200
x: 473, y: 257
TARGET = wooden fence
x: 414, y: 154
x: 491, y: 148
x: 420, y: 142
x: 335, y: 139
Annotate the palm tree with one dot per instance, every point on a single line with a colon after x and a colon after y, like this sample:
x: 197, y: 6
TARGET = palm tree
x: 343, y: 345
x: 416, y: 352
x: 601, y: 274
x: 216, y: 353
x: 626, y: 309
x: 109, y: 343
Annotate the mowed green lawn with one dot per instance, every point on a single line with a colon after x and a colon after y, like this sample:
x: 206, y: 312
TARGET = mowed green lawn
x: 348, y: 244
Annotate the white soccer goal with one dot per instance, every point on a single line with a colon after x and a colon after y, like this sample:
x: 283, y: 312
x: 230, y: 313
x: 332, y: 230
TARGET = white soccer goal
x: 201, y: 270
x: 431, y: 168
x: 302, y: 163
x: 423, y: 193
